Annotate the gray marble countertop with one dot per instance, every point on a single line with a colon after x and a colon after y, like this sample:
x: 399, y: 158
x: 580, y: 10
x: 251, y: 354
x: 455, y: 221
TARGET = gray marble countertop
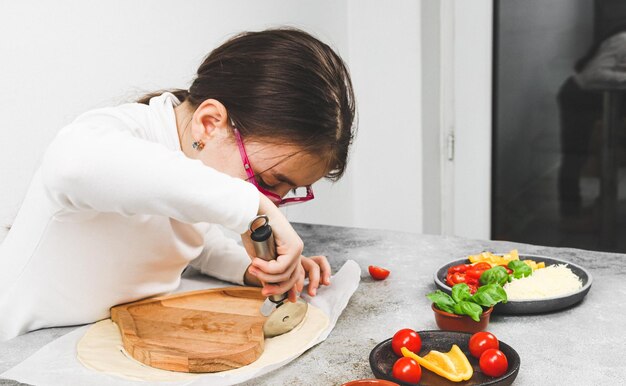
x: 582, y: 345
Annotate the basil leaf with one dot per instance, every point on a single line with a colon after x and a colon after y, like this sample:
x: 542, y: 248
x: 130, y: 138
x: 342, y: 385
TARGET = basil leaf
x: 520, y: 269
x: 489, y: 295
x: 461, y: 292
x: 442, y: 300
x: 495, y: 275
x: 473, y: 310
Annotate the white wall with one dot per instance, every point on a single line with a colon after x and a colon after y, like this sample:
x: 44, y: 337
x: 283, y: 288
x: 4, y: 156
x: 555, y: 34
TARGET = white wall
x: 385, y: 173
x: 61, y: 58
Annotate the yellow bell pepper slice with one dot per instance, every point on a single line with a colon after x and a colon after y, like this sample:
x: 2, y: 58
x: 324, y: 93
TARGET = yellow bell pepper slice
x: 494, y: 260
x: 534, y: 265
x: 452, y: 365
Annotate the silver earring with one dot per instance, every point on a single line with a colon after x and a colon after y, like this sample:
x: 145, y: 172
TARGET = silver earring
x: 198, y: 145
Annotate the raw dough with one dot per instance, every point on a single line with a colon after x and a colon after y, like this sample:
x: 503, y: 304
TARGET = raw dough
x: 101, y: 349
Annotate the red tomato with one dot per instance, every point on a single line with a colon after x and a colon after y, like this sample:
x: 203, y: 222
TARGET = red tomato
x: 407, y: 370
x: 483, y: 266
x: 508, y: 270
x: 471, y: 281
x: 474, y: 273
x: 481, y: 341
x: 378, y: 273
x: 455, y: 278
x: 473, y: 288
x: 493, y: 362
x: 458, y: 268
x: 406, y: 338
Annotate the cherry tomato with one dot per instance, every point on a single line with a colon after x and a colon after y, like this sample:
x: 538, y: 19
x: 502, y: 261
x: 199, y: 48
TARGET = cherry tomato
x: 482, y: 266
x: 455, y: 278
x: 493, y: 362
x: 406, y: 338
x: 378, y: 273
x: 471, y: 281
x: 474, y: 273
x: 458, y: 268
x: 407, y: 370
x: 508, y: 270
x: 481, y: 341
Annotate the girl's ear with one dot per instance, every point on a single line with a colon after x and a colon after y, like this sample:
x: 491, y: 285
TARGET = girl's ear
x: 209, y: 121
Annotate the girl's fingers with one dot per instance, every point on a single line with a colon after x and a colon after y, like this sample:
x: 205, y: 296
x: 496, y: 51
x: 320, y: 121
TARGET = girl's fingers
x: 275, y: 267
x: 294, y: 284
x: 313, y: 272
x: 322, y: 261
x: 278, y: 288
x: 271, y: 278
x: 300, y: 278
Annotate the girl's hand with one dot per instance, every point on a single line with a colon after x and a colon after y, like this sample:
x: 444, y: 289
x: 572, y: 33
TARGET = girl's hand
x: 286, y: 272
x: 317, y: 270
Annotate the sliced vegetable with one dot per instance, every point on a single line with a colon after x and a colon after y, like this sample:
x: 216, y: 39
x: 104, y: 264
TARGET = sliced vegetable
x: 455, y: 278
x: 534, y: 265
x: 495, y: 275
x: 492, y: 259
x: 452, y: 365
x: 458, y: 268
x: 378, y: 273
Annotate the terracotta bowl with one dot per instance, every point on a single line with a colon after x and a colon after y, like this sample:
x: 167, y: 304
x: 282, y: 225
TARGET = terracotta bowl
x: 452, y: 322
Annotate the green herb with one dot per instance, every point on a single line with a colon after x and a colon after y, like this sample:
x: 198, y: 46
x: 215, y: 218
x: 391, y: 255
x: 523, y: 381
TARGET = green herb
x: 490, y: 295
x: 442, y: 300
x: 495, y: 275
x: 520, y: 269
x: 462, y: 302
x: 461, y: 292
x: 473, y: 310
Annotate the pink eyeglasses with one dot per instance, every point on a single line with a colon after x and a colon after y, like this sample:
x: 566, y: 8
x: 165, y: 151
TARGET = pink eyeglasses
x: 275, y: 198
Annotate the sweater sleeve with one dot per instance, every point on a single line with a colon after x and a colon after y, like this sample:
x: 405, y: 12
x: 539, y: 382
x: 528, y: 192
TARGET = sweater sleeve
x: 222, y: 257
x: 108, y: 169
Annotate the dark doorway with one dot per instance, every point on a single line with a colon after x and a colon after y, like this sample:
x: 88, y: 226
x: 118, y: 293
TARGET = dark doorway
x: 558, y: 79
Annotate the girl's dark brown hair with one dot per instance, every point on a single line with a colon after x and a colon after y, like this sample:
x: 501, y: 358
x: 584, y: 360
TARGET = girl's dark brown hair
x: 281, y: 85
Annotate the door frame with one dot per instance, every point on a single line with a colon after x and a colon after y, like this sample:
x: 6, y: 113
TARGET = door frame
x: 466, y: 117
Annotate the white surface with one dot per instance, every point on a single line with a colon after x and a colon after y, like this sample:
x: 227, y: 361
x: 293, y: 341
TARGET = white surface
x: 56, y: 363
x: 65, y: 57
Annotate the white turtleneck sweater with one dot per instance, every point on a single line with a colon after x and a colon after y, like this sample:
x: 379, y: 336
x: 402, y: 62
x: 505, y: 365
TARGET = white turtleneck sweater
x: 114, y: 214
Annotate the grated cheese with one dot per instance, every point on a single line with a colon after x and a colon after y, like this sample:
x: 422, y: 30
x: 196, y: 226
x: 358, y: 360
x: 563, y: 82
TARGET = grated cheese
x: 552, y: 281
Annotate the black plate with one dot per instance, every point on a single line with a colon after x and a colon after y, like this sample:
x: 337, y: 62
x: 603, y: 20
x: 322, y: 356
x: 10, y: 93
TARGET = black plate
x: 382, y: 359
x: 529, y: 306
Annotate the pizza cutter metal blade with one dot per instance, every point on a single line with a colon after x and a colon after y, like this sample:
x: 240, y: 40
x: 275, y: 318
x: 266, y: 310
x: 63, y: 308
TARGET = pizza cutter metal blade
x: 282, y: 315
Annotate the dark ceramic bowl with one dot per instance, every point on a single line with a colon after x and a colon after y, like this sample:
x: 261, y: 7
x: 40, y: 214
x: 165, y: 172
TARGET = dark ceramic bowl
x: 529, y: 306
x: 370, y: 382
x: 382, y: 359
x: 463, y: 323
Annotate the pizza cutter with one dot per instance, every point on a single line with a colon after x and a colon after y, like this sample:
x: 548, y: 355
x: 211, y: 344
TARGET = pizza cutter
x: 282, y: 315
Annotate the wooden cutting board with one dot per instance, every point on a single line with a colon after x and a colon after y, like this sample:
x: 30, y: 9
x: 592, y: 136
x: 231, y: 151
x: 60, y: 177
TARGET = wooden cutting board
x: 196, y: 332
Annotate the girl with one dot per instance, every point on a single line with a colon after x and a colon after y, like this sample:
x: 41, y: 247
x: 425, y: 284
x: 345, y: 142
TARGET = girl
x: 127, y: 197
